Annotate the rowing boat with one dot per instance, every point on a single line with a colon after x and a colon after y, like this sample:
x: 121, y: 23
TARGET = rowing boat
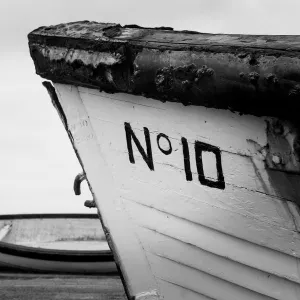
x: 190, y: 145
x: 60, y: 243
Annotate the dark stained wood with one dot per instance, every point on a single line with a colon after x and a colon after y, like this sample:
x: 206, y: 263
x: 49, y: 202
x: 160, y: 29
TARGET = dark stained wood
x: 251, y: 74
x: 27, y: 286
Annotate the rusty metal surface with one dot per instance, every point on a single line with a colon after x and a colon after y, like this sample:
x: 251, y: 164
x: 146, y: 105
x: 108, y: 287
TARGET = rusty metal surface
x: 283, y: 147
x: 257, y: 75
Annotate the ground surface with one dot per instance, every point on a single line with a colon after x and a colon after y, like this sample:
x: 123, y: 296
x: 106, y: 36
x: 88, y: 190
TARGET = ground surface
x: 27, y: 286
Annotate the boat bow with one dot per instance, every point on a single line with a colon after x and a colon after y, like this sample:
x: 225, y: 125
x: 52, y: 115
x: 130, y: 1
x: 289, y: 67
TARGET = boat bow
x: 191, y: 141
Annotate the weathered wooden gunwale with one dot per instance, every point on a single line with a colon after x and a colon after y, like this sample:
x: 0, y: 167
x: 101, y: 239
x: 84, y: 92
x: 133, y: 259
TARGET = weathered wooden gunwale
x: 250, y: 74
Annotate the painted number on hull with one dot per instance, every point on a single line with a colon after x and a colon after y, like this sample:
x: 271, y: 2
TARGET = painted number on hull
x: 200, y: 147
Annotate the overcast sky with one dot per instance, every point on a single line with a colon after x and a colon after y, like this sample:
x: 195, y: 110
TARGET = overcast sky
x: 37, y: 162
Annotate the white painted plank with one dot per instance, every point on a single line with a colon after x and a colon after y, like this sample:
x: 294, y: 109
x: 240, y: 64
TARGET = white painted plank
x: 252, y: 208
x: 246, y: 171
x: 254, y: 204
x: 200, y: 282
x: 253, y: 217
x: 174, y: 291
x: 217, y: 126
x: 220, y: 267
x: 216, y: 242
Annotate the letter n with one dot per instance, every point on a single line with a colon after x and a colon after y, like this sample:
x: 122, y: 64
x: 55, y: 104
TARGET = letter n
x: 131, y: 136
x: 199, y: 148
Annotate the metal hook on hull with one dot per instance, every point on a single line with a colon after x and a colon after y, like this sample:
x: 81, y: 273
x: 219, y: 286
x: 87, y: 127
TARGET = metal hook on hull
x: 77, y: 189
x: 77, y: 183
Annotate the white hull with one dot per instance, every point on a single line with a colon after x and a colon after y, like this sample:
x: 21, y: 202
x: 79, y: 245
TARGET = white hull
x: 173, y: 236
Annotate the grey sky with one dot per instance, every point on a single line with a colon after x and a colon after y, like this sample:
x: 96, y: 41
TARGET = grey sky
x: 36, y: 159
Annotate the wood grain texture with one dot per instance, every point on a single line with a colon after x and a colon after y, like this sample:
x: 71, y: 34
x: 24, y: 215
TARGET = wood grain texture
x: 250, y: 74
x: 238, y: 241
x: 16, y: 286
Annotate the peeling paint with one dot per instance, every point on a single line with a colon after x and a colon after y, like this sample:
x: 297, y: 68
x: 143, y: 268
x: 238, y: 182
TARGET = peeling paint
x: 151, y: 295
x: 183, y: 77
x: 283, y: 146
x: 85, y: 57
x: 255, y: 75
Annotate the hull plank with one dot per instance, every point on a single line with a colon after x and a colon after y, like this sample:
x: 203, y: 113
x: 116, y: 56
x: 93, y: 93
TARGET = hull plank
x: 162, y: 247
x: 216, y: 125
x: 200, y: 282
x: 248, y: 196
x: 228, y: 231
x: 175, y: 291
x: 248, y: 191
x: 240, y: 138
x: 216, y: 242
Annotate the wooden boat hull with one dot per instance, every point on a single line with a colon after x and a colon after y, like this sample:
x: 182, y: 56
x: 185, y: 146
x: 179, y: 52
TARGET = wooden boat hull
x: 190, y: 144
x: 59, y: 243
x: 216, y: 230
